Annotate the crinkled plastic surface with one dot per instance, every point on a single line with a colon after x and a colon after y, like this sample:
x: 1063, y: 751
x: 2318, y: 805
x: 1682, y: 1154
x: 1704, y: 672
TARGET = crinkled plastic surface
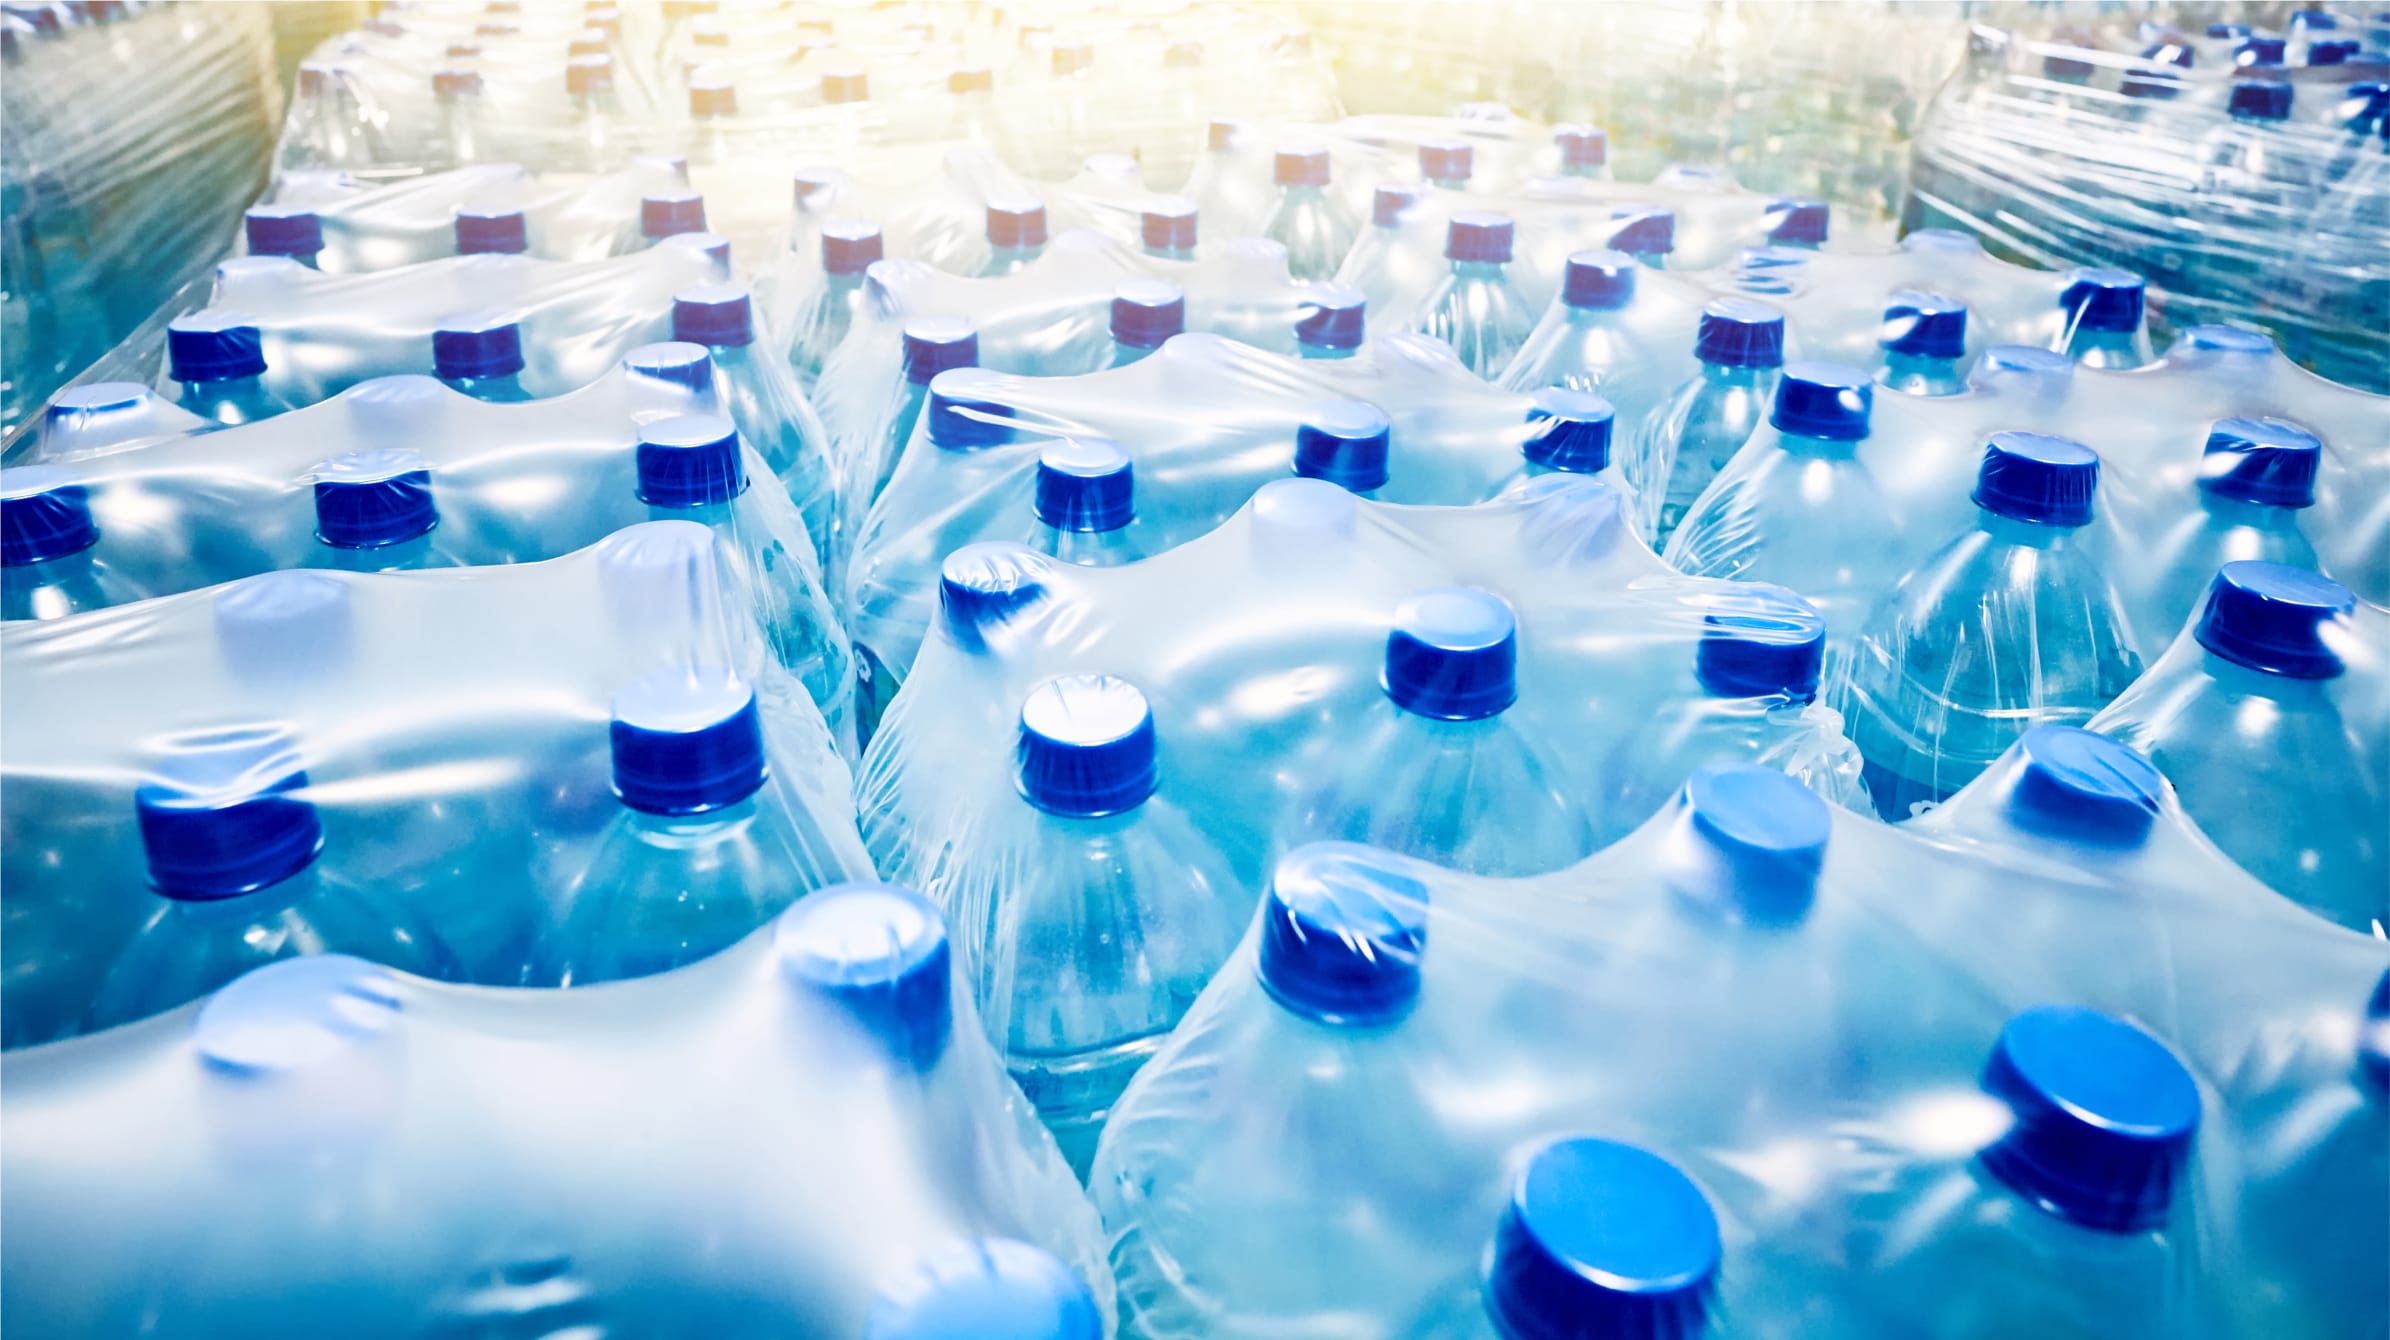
x: 371, y: 226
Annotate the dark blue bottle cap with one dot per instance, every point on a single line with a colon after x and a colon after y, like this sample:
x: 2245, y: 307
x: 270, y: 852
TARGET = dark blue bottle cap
x: 2264, y: 461
x: 1924, y: 325
x: 879, y: 954
x: 1823, y: 400
x: 1581, y: 146
x: 1446, y: 160
x: 584, y: 75
x: 2003, y: 363
x: 1301, y: 167
x: 1146, y: 312
x: 2080, y: 787
x: 479, y: 344
x: 1767, y: 835
x: 994, y: 1289
x: 1598, y: 280
x: 1602, y: 1239
x: 1453, y: 654
x: 373, y: 498
x: 965, y: 412
x: 2333, y: 51
x: 1387, y: 204
x: 935, y: 344
x: 1645, y: 232
x: 222, y: 820
x: 2039, y: 478
x: 2096, y: 299
x: 971, y: 79
x: 1341, y: 934
x: 2373, y: 1037
x: 671, y: 213
x: 2171, y: 50
x: 45, y: 513
x: 708, y: 101
x: 1760, y: 641
x: 2261, y: 51
x: 2223, y: 32
x: 1794, y: 221
x: 849, y: 246
x: 715, y: 315
x: 844, y: 86
x: 686, y: 741
x: 1344, y: 442
x: 2260, y: 100
x: 214, y: 346
x: 2149, y: 84
x: 448, y: 85
x: 684, y: 365
x: 2314, y: 19
x: 1569, y: 430
x: 481, y: 232
x: 2070, y: 69
x: 99, y: 398
x: 283, y: 230
x: 984, y: 584
x: 1740, y: 333
x: 689, y: 460
x: 1478, y: 237
x: 1016, y: 221
x: 1085, y: 484
x: 1334, y: 316
x: 1086, y: 747
x: 2104, y: 1116
x: 2277, y: 619
x: 1167, y: 223
x: 295, y: 1013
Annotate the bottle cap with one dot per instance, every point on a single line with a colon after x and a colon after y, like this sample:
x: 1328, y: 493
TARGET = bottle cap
x: 2262, y: 51
x: 1086, y: 747
x: 100, y: 398
x: 2149, y: 84
x: 843, y: 86
x: 2104, y: 1118
x: 481, y: 232
x: 1603, y: 1239
x: 2333, y: 50
x: 295, y: 1013
x: 1645, y: 232
x: 2373, y: 1039
x: 1792, y: 221
x: 1446, y: 160
x: 670, y: 213
x: 478, y: 344
x: 2264, y: 461
x: 1387, y: 204
x: 1478, y: 237
x: 816, y: 187
x: 984, y: 584
x: 1085, y: 484
x: 1823, y: 400
x: 1581, y: 146
x: 2086, y: 788
x: 45, y: 513
x: 1569, y: 431
x: 2039, y: 478
x: 715, y: 315
x: 373, y: 498
x: 1764, y: 841
x: 2260, y: 99
x: 880, y: 954
x: 1301, y: 167
x: 1740, y: 333
x: 2224, y: 32
x: 1016, y: 221
x: 1598, y: 280
x: 448, y: 85
x: 214, y: 346
x: 1453, y: 654
x: 283, y: 230
x: 222, y: 820
x: 849, y: 246
x: 713, y: 98
x: 686, y: 740
x: 689, y: 460
x: 2228, y: 340
x: 970, y: 79
x: 2276, y: 619
x: 1071, y: 58
x: 2314, y: 19
x: 1147, y: 312
x: 1341, y: 934
x: 1344, y: 442
x: 1221, y: 135
x: 934, y: 344
x: 1760, y: 641
x: 1334, y: 316
x: 993, y: 1289
x: 1167, y: 223
x: 963, y: 412
x: 687, y: 366
x: 1924, y: 325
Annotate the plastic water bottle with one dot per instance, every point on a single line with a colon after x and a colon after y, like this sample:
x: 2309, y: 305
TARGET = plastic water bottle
x: 848, y: 249
x: 232, y: 843
x: 1447, y: 164
x: 993, y: 1289
x: 2009, y: 626
x: 1601, y: 1238
x: 760, y: 395
x: 1305, y: 218
x: 481, y: 354
x: 1648, y: 234
x: 1436, y: 769
x: 457, y: 93
x: 1380, y: 266
x: 2255, y: 479
x: 1477, y: 308
x: 1584, y: 151
x: 1334, y: 321
x: 697, y: 858
x: 671, y: 212
x: 1688, y: 438
x: 218, y: 362
x: 49, y: 566
x: 1145, y: 314
x: 1924, y: 341
x: 932, y: 344
x: 1016, y: 231
x: 284, y: 230
x: 598, y: 118
x: 2103, y: 326
x: 1797, y: 223
x: 1568, y: 432
x: 374, y: 513
x: 713, y: 110
x: 491, y: 231
x: 1085, y: 501
x: 1592, y: 340
x: 1166, y: 228
x: 1344, y: 442
x: 2242, y: 718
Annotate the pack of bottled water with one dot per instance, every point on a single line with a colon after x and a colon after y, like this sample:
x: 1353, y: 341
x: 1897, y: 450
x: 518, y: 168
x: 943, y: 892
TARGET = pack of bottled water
x: 1396, y: 671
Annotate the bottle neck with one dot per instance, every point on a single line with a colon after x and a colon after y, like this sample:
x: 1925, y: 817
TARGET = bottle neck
x: 1729, y: 377
x: 233, y: 390
x: 1818, y: 448
x: 2105, y: 346
x: 404, y: 556
x: 1652, y: 260
x: 2026, y: 534
x: 508, y: 387
x: 1170, y: 253
x: 1590, y: 317
x: 1917, y: 374
x: 1480, y: 272
x: 683, y: 831
x: 2241, y: 681
x: 254, y: 906
x: 2254, y: 515
x: 1322, y: 351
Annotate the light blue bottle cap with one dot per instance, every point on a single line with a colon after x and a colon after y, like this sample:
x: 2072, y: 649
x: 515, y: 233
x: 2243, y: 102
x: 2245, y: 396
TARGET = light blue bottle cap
x: 2035, y: 477
x: 298, y: 1012
x: 1086, y: 747
x: 483, y: 232
x: 1828, y: 401
x: 995, y: 1289
x: 935, y: 344
x: 480, y: 344
x: 2104, y: 1118
x: 674, y: 362
x: 2087, y: 788
x: 221, y: 820
x: 686, y: 740
x: 1344, y: 442
x: 2277, y: 619
x: 1569, y: 431
x: 965, y: 412
x: 1342, y: 933
x: 374, y: 498
x: 1453, y: 654
x: 981, y: 585
x: 1769, y: 831
x: 1760, y: 641
x: 2263, y: 461
x: 214, y: 346
x: 1085, y: 484
x: 1924, y: 325
x: 1603, y: 1240
x: 714, y: 315
x: 689, y: 460
x: 879, y: 952
x: 45, y: 513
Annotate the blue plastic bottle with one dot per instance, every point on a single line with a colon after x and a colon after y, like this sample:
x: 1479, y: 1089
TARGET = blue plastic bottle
x: 374, y: 513
x: 1335, y: 320
x: 284, y: 230
x: 1797, y: 223
x: 1305, y: 218
x: 482, y: 231
x: 2009, y: 626
x: 1924, y: 340
x: 993, y: 1289
x: 1145, y: 314
x: 1568, y: 432
x: 481, y: 354
x: 2255, y: 479
x: 848, y: 250
x: 760, y: 395
x: 1436, y: 769
x: 1344, y: 442
x: 1688, y: 438
x: 671, y: 212
x: 1085, y: 501
x: 932, y: 344
x: 1166, y: 227
x: 1016, y: 228
x: 49, y: 562
x: 218, y: 362
x: 1477, y: 308
x: 2102, y: 326
x: 1584, y: 151
x: 1590, y: 340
